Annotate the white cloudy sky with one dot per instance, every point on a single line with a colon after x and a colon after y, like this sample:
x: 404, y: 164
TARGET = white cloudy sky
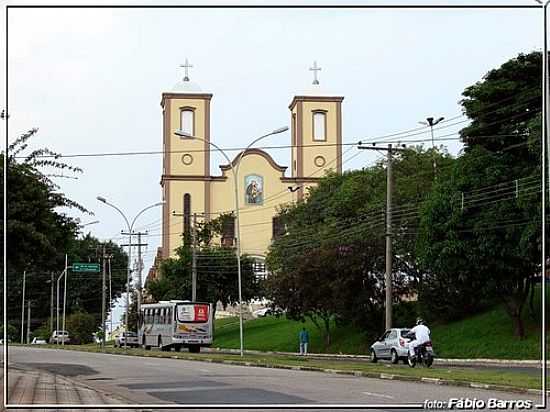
x: 91, y: 80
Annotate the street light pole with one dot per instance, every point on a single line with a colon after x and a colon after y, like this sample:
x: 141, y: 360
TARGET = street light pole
x: 23, y: 309
x: 431, y: 122
x: 235, y: 172
x: 130, y: 229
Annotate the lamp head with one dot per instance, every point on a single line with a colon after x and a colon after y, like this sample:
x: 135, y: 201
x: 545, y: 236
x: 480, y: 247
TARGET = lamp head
x: 181, y: 133
x: 280, y: 130
x: 101, y: 199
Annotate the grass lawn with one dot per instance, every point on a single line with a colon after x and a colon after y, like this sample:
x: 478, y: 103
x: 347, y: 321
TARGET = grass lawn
x: 487, y: 335
x: 280, y: 334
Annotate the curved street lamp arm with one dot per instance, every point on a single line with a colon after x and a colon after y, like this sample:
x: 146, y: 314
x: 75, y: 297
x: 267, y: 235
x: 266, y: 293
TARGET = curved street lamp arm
x: 120, y: 211
x: 147, y: 208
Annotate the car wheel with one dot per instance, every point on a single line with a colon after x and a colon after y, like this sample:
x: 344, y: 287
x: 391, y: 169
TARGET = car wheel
x: 394, y: 357
x: 373, y: 357
x: 194, y: 349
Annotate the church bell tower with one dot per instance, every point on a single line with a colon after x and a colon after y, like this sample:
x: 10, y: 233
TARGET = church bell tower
x: 316, y: 119
x: 186, y: 163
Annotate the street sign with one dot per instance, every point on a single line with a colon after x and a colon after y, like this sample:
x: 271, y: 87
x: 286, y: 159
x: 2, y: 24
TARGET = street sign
x: 85, y: 267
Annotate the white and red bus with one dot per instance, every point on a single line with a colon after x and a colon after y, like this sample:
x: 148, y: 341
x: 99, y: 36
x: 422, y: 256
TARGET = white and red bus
x: 176, y: 324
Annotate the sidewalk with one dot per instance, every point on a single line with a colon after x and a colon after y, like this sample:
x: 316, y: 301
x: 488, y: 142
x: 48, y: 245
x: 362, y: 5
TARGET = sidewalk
x: 26, y: 387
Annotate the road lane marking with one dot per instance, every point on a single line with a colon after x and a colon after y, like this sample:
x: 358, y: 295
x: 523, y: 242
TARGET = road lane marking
x: 180, y: 389
x: 380, y: 395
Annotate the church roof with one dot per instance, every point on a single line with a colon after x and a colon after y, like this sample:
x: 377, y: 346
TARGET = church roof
x: 253, y: 151
x: 186, y: 86
x: 315, y: 90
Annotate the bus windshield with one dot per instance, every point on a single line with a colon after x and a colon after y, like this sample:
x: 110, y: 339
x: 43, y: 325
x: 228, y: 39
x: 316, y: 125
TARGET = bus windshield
x: 193, y: 312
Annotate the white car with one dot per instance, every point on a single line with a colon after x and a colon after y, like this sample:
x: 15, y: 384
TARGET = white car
x: 260, y: 313
x: 60, y: 336
x: 38, y: 341
x: 130, y: 338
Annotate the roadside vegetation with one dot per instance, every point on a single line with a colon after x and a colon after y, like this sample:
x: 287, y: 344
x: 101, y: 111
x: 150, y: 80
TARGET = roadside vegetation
x: 488, y: 335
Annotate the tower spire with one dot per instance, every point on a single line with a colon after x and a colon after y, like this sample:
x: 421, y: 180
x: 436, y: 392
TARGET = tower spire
x: 315, y: 69
x: 186, y: 66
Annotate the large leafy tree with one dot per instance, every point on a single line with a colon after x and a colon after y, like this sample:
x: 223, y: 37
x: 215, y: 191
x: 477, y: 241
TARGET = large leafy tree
x: 39, y: 233
x: 330, y: 263
x: 481, y: 235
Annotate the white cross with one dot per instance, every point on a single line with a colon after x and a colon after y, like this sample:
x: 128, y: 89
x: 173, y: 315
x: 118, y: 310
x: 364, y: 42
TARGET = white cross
x: 186, y: 66
x: 315, y: 69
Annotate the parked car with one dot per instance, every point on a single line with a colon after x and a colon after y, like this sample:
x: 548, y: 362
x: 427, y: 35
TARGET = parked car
x: 260, y: 313
x: 38, y: 341
x: 131, y: 339
x: 391, y: 345
x: 60, y: 336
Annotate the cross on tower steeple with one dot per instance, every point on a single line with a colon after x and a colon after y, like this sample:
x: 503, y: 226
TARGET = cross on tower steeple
x: 315, y: 69
x: 186, y: 66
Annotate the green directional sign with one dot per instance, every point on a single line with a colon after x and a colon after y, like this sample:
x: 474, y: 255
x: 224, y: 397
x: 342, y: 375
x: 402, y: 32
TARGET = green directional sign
x: 85, y: 267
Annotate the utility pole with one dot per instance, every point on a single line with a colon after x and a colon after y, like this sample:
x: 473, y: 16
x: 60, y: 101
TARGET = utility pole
x: 28, y: 322
x: 140, y: 269
x: 194, y: 263
x: 51, y: 303
x: 103, y: 286
x: 23, y: 309
x: 194, y: 247
x: 130, y: 244
x: 110, y: 292
x: 64, y: 301
x: 389, y: 235
x: 389, y: 308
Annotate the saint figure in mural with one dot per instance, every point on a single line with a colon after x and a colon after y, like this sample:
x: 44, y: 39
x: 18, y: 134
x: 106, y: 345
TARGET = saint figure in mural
x: 254, y: 185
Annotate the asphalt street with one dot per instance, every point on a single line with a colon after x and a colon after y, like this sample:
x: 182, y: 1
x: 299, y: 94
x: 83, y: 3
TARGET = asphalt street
x: 149, y: 381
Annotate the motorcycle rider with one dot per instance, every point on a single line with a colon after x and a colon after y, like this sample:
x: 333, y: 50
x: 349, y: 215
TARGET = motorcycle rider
x: 422, y: 335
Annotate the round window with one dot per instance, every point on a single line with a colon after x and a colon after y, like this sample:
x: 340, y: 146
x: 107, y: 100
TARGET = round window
x: 187, y: 159
x: 319, y: 161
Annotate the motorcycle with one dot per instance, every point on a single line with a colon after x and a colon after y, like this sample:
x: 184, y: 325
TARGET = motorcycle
x: 424, y: 354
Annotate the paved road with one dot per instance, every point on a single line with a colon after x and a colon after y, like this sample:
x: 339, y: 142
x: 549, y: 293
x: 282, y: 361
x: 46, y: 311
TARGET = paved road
x: 156, y: 380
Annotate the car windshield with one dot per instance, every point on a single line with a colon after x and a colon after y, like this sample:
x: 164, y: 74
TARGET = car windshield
x: 404, y: 332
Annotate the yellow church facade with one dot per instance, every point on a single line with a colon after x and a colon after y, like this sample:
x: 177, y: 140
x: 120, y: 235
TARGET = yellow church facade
x: 188, y: 187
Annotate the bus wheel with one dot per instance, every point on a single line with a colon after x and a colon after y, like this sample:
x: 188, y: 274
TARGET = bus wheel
x: 144, y: 345
x: 194, y: 348
x: 177, y: 348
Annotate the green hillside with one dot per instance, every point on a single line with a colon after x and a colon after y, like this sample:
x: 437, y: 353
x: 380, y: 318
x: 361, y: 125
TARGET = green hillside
x: 487, y: 335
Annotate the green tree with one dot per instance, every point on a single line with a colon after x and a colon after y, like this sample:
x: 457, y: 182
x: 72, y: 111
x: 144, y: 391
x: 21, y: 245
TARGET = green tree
x: 216, y: 271
x: 39, y: 235
x: 37, y: 232
x: 81, y: 327
x: 491, y: 247
x: 330, y: 262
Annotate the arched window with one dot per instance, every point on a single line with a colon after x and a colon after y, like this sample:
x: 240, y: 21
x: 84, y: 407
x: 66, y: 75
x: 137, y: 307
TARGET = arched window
x: 319, y: 125
x: 187, y: 120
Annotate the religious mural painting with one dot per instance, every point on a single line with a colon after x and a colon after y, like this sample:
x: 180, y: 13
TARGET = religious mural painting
x: 254, y: 189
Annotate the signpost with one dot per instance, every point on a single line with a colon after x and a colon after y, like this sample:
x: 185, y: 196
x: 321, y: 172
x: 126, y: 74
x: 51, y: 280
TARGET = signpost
x: 85, y: 267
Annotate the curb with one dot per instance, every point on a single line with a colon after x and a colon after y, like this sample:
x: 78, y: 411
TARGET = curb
x: 441, y: 361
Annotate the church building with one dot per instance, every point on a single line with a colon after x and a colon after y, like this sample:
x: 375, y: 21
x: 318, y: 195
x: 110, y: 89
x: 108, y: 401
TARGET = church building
x: 188, y: 187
